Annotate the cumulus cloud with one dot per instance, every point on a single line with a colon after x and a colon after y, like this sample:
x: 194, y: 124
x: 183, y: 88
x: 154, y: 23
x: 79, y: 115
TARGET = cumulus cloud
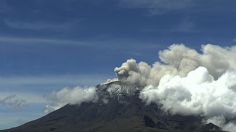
x: 75, y: 95
x: 12, y: 101
x: 197, y: 93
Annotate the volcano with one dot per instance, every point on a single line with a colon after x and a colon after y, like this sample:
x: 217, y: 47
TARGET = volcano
x: 117, y: 109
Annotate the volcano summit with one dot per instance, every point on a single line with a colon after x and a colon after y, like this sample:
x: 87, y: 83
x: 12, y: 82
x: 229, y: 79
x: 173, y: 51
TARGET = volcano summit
x: 118, y: 108
x: 186, y: 91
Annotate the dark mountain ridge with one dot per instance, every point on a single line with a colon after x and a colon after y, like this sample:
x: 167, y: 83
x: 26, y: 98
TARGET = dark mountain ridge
x: 118, y: 109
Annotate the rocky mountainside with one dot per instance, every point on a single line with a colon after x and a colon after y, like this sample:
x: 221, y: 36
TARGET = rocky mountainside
x: 118, y: 109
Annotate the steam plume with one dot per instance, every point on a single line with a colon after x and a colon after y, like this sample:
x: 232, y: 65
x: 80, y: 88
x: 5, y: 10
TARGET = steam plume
x: 184, y: 81
x: 188, y: 82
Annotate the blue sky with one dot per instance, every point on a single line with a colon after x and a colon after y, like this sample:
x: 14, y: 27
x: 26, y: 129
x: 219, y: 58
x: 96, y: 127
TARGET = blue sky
x: 46, y: 45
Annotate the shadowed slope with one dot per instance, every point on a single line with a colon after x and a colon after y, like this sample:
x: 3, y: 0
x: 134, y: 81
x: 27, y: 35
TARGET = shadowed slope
x: 118, y: 109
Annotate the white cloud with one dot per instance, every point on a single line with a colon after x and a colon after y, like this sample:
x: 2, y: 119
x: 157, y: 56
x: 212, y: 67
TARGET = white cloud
x: 12, y: 101
x: 188, y: 82
x: 196, y: 94
x: 185, y: 81
x: 75, y: 95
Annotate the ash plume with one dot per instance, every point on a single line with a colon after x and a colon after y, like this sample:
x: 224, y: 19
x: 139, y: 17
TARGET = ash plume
x: 184, y: 81
x: 178, y: 60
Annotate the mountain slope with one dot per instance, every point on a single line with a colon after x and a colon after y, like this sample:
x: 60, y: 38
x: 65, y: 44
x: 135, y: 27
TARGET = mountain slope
x: 118, y: 109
